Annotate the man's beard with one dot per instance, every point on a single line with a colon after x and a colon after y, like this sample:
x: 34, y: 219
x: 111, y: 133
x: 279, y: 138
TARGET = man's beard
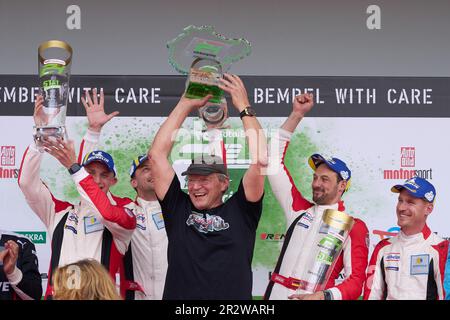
x: 324, y: 198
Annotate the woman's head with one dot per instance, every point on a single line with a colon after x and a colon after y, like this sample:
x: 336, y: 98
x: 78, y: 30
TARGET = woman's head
x: 84, y: 280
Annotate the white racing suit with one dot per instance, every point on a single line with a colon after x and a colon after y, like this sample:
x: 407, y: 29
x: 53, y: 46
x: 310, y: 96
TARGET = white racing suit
x: 98, y: 227
x: 143, y: 272
x: 408, y: 268
x: 303, y: 220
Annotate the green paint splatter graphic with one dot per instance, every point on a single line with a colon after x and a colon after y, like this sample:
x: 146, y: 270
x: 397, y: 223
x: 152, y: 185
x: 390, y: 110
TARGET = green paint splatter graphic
x: 126, y: 138
x: 273, y: 220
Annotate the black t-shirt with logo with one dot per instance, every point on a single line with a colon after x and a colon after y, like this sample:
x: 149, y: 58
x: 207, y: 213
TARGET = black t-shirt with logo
x: 210, y: 251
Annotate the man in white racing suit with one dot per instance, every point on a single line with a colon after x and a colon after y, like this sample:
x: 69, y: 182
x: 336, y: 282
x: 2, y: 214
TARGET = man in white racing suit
x: 410, y: 265
x: 330, y: 180
x: 99, y: 227
x: 144, y: 267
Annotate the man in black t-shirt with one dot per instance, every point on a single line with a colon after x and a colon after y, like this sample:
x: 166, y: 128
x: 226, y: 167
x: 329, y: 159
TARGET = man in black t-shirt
x: 210, y: 242
x: 19, y: 272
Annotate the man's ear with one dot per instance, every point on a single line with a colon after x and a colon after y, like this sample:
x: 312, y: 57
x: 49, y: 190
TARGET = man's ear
x: 342, y: 185
x: 133, y: 183
x: 429, y: 209
x: 114, y: 181
x: 226, y: 185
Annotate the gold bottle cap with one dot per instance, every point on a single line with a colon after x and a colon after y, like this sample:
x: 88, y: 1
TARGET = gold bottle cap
x: 55, y: 44
x: 338, y: 219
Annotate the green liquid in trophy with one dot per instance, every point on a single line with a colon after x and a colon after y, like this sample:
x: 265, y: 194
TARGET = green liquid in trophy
x: 204, y: 79
x: 199, y: 90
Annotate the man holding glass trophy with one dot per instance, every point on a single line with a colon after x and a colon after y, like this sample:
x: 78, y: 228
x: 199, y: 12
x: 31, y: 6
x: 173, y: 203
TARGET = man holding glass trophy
x: 100, y: 226
x: 321, y: 240
x: 211, y: 242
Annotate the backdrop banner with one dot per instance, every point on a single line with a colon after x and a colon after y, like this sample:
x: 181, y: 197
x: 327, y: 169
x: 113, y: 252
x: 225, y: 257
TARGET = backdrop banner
x: 386, y: 129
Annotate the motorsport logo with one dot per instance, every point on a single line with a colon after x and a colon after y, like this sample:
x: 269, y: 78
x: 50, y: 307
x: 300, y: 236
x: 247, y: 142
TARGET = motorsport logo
x: 407, y: 167
x: 272, y: 236
x: 37, y: 237
x: 8, y: 162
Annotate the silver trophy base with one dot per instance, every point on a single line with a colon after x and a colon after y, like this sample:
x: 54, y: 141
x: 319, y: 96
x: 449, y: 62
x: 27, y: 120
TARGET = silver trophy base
x: 214, y: 115
x: 44, y: 133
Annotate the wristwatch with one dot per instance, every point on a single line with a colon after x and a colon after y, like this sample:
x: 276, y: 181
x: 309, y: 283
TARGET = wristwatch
x: 74, y: 168
x: 247, y: 112
x: 327, y: 295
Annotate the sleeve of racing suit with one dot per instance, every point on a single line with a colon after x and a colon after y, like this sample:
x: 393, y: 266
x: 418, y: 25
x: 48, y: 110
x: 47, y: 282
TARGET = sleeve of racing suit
x: 281, y: 182
x: 375, y: 287
x: 26, y: 279
x: 447, y: 275
x: 356, y: 253
x: 37, y: 195
x: 440, y: 272
x: 118, y: 219
x: 88, y: 144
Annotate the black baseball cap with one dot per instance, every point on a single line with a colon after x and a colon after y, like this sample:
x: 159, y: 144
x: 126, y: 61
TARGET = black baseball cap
x: 206, y: 165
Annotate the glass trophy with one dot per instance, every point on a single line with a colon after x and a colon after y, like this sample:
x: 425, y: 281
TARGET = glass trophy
x: 333, y: 232
x: 55, y: 59
x: 204, y: 56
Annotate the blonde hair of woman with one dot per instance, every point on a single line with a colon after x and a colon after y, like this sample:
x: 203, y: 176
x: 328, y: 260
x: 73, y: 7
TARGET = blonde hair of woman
x: 84, y: 280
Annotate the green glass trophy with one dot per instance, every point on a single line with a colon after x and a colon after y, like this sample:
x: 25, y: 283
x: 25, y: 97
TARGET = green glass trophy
x: 204, y: 56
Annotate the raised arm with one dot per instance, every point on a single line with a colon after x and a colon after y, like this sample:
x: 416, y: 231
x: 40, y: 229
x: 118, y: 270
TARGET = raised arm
x: 281, y: 182
x: 37, y: 195
x: 119, y: 220
x: 161, y: 147
x: 300, y: 107
x: 253, y: 180
x: 97, y: 118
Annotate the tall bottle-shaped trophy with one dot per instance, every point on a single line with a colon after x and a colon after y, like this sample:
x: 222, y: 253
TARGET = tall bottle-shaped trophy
x: 54, y: 63
x: 204, y: 56
x: 328, y: 244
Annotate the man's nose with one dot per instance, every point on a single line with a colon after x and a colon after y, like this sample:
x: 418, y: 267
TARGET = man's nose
x: 195, y: 185
x: 401, y: 206
x: 96, y: 178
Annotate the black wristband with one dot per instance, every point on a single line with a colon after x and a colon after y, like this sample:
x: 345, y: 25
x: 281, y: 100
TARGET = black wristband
x: 327, y: 295
x: 74, y: 168
x: 247, y: 112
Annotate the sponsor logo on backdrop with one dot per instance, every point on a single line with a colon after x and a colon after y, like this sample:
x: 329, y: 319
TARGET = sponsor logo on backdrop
x: 8, y: 162
x: 37, y: 237
x: 407, y: 168
x: 272, y: 236
x: 339, y: 96
x: 8, y: 156
x: 22, y: 94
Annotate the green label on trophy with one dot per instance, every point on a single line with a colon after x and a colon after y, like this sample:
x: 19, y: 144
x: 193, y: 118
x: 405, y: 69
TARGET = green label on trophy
x: 204, y: 80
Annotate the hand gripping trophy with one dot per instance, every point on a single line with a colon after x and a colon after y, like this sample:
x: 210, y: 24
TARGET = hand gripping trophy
x: 55, y: 58
x: 204, y: 56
